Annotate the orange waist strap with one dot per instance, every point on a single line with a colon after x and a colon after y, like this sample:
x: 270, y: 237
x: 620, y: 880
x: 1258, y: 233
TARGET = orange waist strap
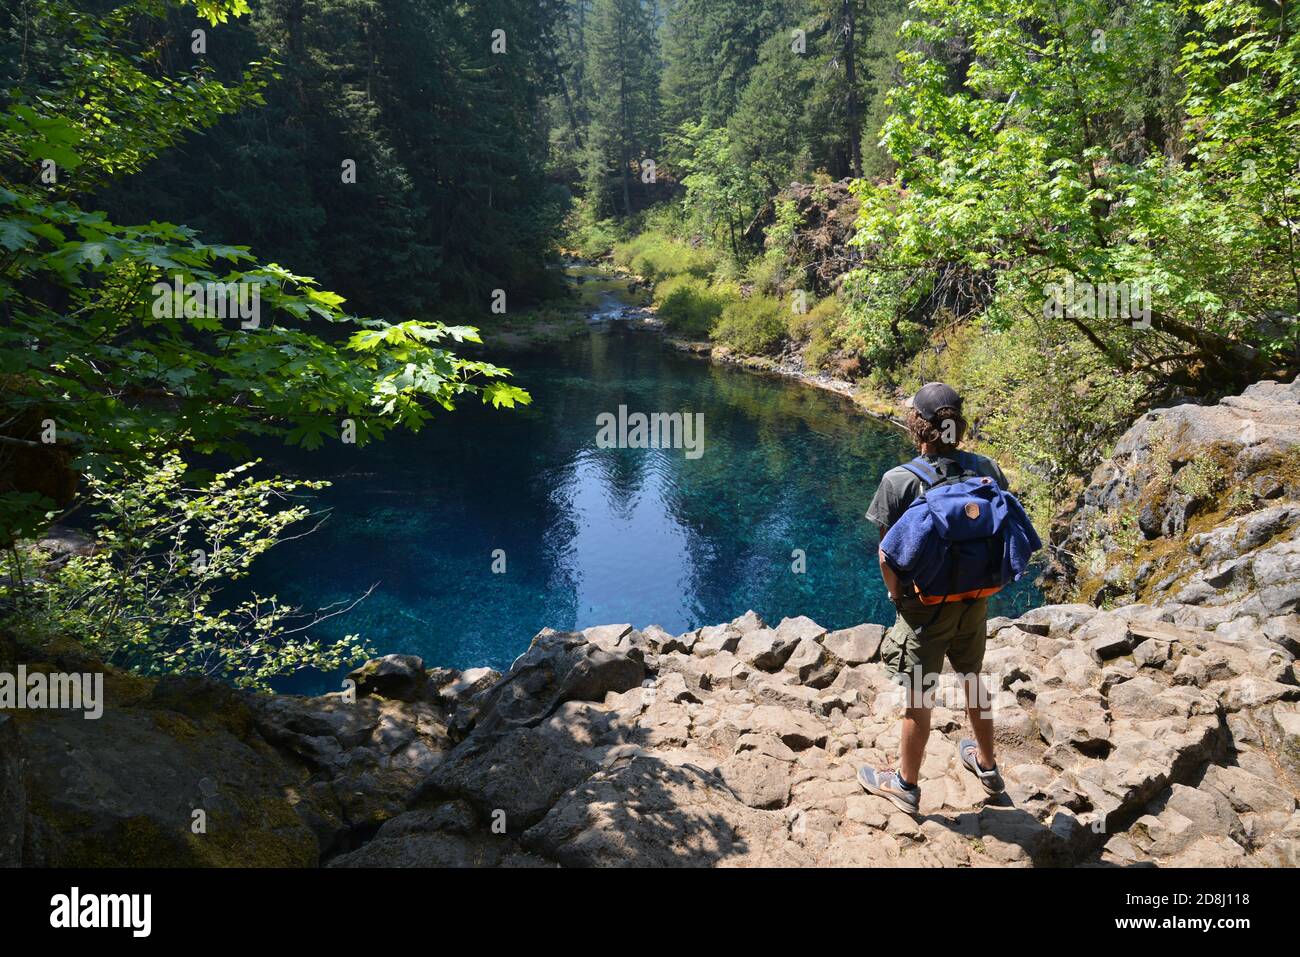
x: 960, y: 596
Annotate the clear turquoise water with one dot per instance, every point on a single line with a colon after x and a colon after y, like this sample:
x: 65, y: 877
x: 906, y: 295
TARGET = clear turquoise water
x: 592, y: 535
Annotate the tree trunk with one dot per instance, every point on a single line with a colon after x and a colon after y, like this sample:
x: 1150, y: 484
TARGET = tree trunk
x: 853, y: 108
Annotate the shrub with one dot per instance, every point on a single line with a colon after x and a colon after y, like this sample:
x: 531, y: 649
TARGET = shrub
x: 149, y: 597
x: 756, y: 325
x: 689, y: 306
x: 768, y: 273
x: 817, y: 328
x: 591, y: 238
x: 820, y: 346
x: 1042, y: 401
x: 1201, y: 478
x: 655, y: 255
x: 871, y: 325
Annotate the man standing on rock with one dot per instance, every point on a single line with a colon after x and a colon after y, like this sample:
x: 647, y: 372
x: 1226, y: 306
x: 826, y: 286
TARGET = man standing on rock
x: 927, y: 630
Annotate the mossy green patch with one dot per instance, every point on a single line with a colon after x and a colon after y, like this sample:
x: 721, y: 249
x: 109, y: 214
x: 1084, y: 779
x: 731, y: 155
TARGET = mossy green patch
x: 1211, y: 479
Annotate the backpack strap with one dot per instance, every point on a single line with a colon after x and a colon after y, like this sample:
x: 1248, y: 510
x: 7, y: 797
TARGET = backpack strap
x: 930, y: 476
x: 923, y: 470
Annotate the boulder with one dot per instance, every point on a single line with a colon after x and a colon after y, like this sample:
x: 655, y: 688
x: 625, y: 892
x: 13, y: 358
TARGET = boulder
x: 1057, y: 618
x: 1182, y: 818
x: 812, y: 664
x: 514, y: 779
x: 766, y: 649
x: 798, y: 730
x: 1074, y: 718
x: 465, y: 684
x: 1106, y: 636
x: 1074, y: 666
x: 557, y: 667
x: 61, y: 542
x: 365, y: 756
x: 123, y: 791
x: 392, y: 676
x: 757, y: 779
x: 682, y: 644
x: 1249, y: 793
x: 857, y: 645
x: 1243, y: 444
x: 793, y: 629
x: 648, y: 813
x: 448, y: 835
x: 1287, y: 719
x: 767, y: 744
x: 609, y: 637
x: 749, y: 621
x: 674, y: 688
x: 1152, y: 653
x: 715, y: 639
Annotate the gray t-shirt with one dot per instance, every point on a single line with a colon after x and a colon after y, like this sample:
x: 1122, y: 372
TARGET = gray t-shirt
x: 899, y: 487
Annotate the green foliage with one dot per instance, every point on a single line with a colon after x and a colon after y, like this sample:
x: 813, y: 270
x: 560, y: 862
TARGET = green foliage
x: 754, y: 326
x: 733, y: 66
x: 773, y: 132
x: 689, y: 305
x: 722, y: 193
x: 149, y: 597
x: 1038, y: 167
x: 786, y: 220
x: 655, y: 255
x: 592, y: 238
x: 1054, y: 428
x: 874, y: 325
x: 817, y: 328
x: 93, y: 342
x: 1201, y: 478
x: 778, y: 268
x: 711, y: 48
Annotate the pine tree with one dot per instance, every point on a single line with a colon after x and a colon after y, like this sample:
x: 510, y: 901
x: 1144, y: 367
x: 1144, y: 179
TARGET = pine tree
x: 623, y: 76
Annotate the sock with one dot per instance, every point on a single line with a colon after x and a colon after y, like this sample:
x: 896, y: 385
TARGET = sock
x: 984, y: 769
x: 904, y: 784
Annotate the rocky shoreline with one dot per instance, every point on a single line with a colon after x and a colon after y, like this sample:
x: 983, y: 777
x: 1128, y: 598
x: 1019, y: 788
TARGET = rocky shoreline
x: 1124, y: 738
x: 787, y: 366
x: 867, y: 401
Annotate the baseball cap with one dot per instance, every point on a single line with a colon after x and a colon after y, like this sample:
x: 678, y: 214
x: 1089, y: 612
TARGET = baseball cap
x: 929, y: 399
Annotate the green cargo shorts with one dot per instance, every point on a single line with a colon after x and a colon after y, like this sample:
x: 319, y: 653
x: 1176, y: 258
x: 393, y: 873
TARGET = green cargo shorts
x: 923, y: 635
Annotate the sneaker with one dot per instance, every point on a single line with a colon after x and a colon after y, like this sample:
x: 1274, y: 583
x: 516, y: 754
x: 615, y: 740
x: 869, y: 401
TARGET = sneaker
x: 885, y: 783
x: 990, y: 780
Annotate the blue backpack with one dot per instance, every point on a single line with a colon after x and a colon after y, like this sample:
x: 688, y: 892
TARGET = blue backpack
x: 962, y: 538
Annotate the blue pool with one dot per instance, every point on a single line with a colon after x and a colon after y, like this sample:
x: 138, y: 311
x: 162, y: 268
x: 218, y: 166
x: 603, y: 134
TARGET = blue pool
x: 590, y: 535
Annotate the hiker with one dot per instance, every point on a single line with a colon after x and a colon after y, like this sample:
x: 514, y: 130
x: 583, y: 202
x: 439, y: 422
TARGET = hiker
x: 951, y: 535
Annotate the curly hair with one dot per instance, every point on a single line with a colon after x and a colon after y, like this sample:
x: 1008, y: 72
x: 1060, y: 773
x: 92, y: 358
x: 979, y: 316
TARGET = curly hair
x: 947, y: 423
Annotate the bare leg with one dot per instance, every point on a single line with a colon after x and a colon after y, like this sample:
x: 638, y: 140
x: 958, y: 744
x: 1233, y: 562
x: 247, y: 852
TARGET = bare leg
x: 981, y: 721
x: 916, y: 731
